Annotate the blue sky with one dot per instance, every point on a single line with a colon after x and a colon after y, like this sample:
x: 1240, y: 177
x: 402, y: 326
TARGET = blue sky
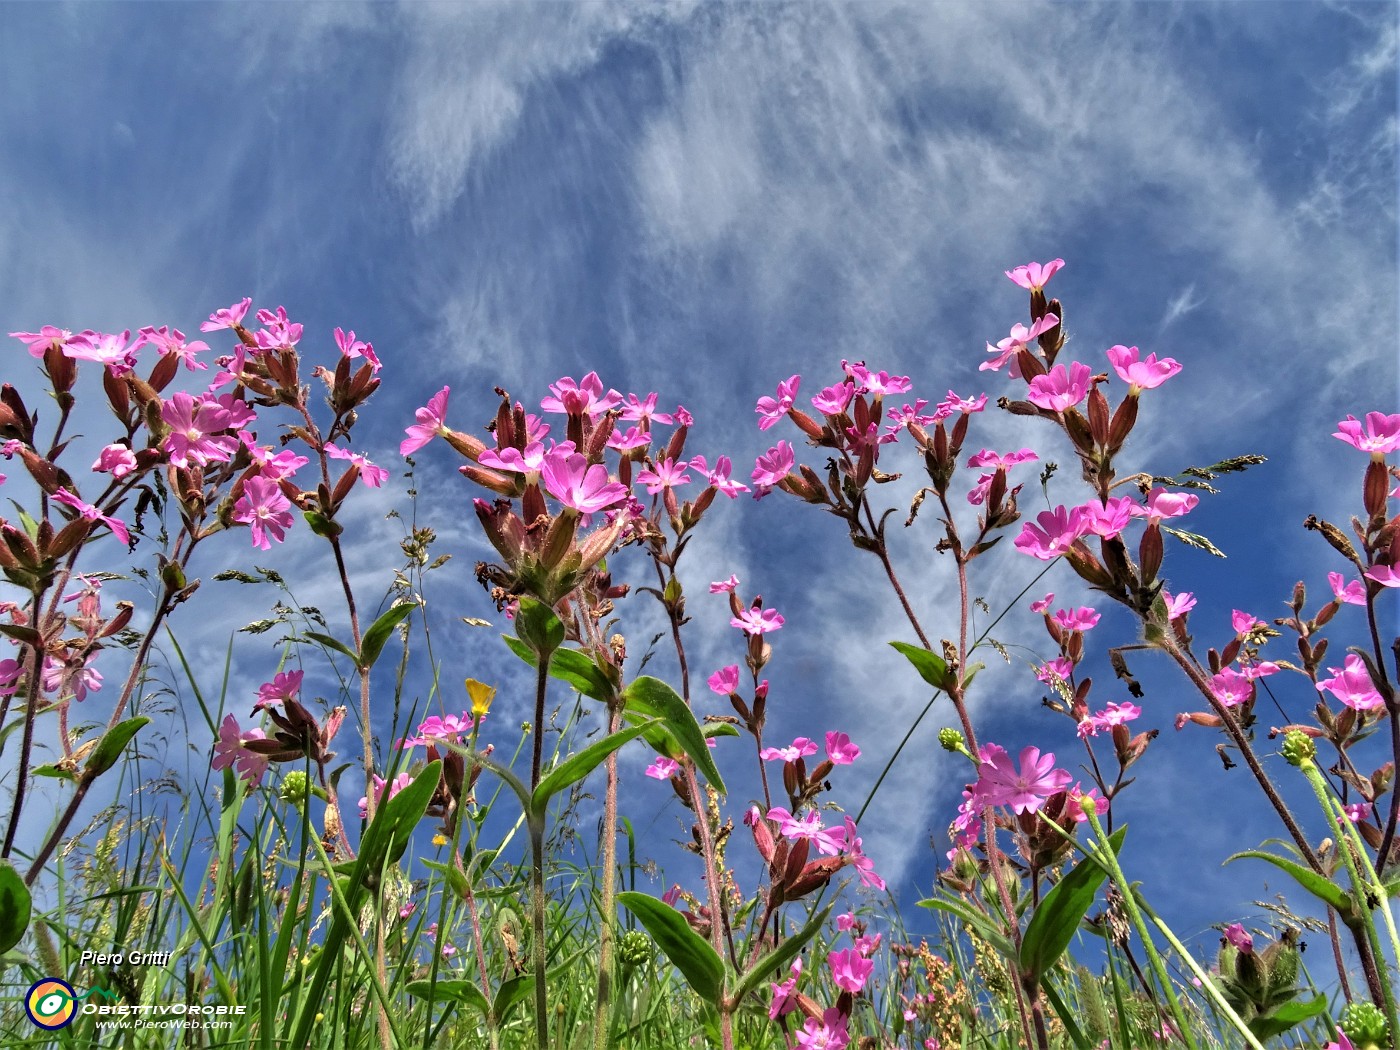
x: 704, y: 199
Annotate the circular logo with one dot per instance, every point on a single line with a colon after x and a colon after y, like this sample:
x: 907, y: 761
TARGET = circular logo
x: 50, y: 1003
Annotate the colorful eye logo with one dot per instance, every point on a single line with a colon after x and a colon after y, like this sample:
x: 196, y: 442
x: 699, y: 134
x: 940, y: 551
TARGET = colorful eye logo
x: 50, y: 1004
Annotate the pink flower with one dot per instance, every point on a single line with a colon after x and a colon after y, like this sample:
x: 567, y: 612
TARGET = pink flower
x: 757, y: 621
x: 1355, y: 812
x: 1081, y: 619
x: 828, y: 841
x: 265, y: 510
x: 1351, y: 684
x: 1024, y: 790
x: 772, y: 409
x: 988, y: 458
x: 530, y: 462
x: 284, y: 686
x: 865, y: 867
x: 579, y: 485
x: 644, y: 410
x: 1353, y: 593
x: 1243, y: 622
x: 1033, y: 276
x: 371, y: 475
x: 71, y: 677
x: 1074, y: 806
x: 277, y: 333
x: 830, y: 1033
x: 40, y: 341
x: 877, y: 383
x: 719, y: 477
x: 800, y: 748
x: 663, y: 768
x: 193, y: 423
x: 840, y: 749
x: 1163, y: 504
x: 1056, y: 670
x: 1239, y: 937
x: 1382, y: 433
x: 273, y: 467
x: 431, y: 422
x: 1044, y: 603
x: 227, y: 317
x: 1178, y: 605
x: 784, y: 995
x: 9, y: 676
x: 1013, y: 344
x: 90, y: 513
x: 400, y: 782
x: 1060, y: 389
x: 229, y: 751
x: 1108, y: 520
x: 725, y: 680
x: 625, y: 441
x: 1232, y: 688
x: 353, y: 348
x: 668, y: 474
x: 833, y: 400
x: 172, y: 341
x: 1141, y: 375
x: 585, y: 397
x: 1385, y: 575
x: 849, y: 969
x: 963, y: 405
x: 115, y: 351
x: 672, y: 895
x: 117, y: 460
x: 1053, y: 533
x: 725, y: 586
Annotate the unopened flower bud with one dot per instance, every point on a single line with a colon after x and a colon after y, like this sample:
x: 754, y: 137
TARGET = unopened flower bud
x: 293, y: 787
x: 951, y: 740
x: 1297, y: 748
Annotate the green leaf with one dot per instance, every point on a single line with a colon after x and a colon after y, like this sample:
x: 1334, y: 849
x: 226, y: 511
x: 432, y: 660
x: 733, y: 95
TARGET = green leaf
x: 538, y: 627
x: 690, y: 953
x: 15, y: 906
x: 450, y: 992
x: 1061, y: 911
x: 511, y: 992
x: 331, y: 643
x: 781, y: 956
x: 322, y: 525
x: 1324, y: 889
x: 932, y: 668
x: 1282, y: 1018
x: 378, y: 634
x: 57, y: 772
x: 653, y: 697
x: 109, y: 748
x: 574, y: 769
x: 979, y: 922
x: 452, y: 875
x: 576, y: 668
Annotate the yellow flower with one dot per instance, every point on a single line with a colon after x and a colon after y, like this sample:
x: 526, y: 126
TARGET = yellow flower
x: 440, y: 839
x: 481, y: 695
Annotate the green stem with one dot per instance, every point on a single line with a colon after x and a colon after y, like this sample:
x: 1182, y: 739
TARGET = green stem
x: 1109, y: 859
x: 536, y: 824
x: 609, y: 889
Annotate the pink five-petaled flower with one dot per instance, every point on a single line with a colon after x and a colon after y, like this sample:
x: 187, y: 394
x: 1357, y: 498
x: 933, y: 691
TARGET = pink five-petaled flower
x: 585, y: 397
x: 800, y: 748
x: 833, y: 400
x: 643, y: 410
x: 278, y: 331
x: 725, y: 680
x: 371, y: 475
x: 840, y: 749
x: 71, y: 677
x: 1055, y: 671
x: 772, y: 467
x: 117, y: 460
x: 1024, y: 790
x: 1232, y: 688
x: 663, y: 768
x: 757, y: 621
x: 725, y: 586
x: 40, y: 341
x: 400, y: 782
x: 579, y: 485
x: 1178, y: 605
x: 828, y: 841
x: 192, y: 423
x: 284, y: 686
x: 1108, y: 520
x: 90, y: 513
x: 450, y: 728
x: 227, y: 317
x: 265, y: 510
x: 1243, y: 622
x: 1033, y: 276
x: 1043, y: 604
x: 865, y: 867
x: 719, y: 477
x: 432, y: 420
x: 1382, y: 433
x: 1074, y: 804
x: 229, y: 751
x: 1163, y: 504
x: 1080, y: 619
x: 170, y: 341
x: 1145, y: 374
x: 10, y: 671
x: 784, y: 995
x: 849, y: 969
x: 1239, y: 937
x: 772, y: 409
x: 1060, y: 389
x: 116, y: 351
x: 830, y: 1033
x: 988, y: 458
x: 668, y: 474
x: 1353, y: 593
x: 353, y: 348
x: 1013, y: 344
x: 1351, y: 684
x: 1053, y: 533
x: 1385, y: 575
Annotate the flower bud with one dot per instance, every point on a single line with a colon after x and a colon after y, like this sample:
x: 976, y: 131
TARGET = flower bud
x: 951, y: 740
x: 1297, y: 748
